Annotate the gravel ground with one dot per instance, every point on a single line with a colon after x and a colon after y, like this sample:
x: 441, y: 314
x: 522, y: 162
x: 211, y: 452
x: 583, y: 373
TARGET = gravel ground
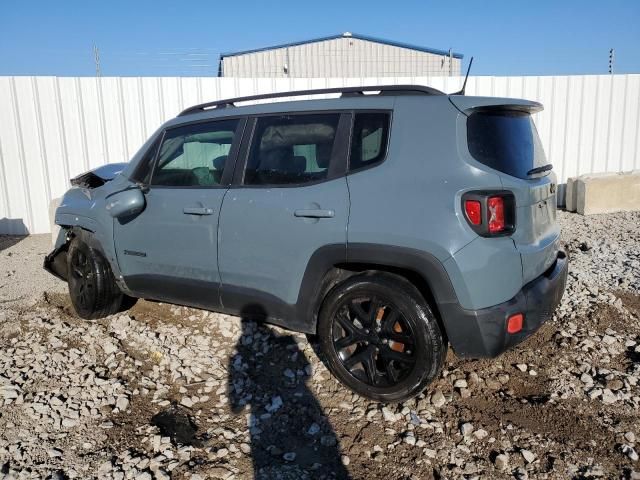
x: 22, y: 278
x: 170, y: 392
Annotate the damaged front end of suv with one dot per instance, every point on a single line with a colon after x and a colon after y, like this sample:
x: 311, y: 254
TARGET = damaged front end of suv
x: 78, y: 215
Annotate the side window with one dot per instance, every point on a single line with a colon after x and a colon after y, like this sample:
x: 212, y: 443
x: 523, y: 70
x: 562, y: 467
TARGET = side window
x: 194, y: 155
x: 369, y: 140
x: 291, y: 149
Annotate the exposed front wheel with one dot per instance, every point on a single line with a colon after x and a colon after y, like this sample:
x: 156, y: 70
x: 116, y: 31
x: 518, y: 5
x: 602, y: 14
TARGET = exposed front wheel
x: 92, y: 288
x: 380, y: 338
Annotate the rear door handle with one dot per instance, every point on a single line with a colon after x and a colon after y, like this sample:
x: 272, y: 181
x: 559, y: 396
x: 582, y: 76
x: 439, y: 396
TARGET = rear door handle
x: 314, y: 213
x: 197, y: 211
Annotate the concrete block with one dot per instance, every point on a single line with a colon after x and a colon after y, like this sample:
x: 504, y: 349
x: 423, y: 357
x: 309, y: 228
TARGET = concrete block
x: 607, y: 193
x: 55, y: 229
x: 570, y: 192
x: 570, y: 195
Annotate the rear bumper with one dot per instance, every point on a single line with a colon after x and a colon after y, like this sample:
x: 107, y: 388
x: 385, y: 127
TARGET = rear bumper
x: 483, y: 333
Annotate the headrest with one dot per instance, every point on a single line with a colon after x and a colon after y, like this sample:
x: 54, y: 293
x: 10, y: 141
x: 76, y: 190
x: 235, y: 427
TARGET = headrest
x: 299, y: 164
x: 219, y: 162
x: 279, y: 159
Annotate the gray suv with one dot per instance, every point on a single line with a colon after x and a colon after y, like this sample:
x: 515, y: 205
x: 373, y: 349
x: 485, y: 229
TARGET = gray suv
x: 391, y: 222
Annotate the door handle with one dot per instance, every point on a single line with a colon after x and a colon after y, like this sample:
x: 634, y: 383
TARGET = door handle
x: 314, y: 213
x: 197, y: 211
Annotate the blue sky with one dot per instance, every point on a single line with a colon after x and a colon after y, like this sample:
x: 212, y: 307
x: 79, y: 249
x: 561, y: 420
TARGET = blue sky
x: 160, y: 37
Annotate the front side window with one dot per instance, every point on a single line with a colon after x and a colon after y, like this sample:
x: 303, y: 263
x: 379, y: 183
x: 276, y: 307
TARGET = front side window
x: 369, y: 139
x: 291, y: 149
x: 194, y: 155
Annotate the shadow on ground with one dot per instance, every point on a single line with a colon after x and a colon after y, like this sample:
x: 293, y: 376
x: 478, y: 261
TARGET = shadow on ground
x: 10, y: 230
x: 8, y: 241
x: 286, y: 422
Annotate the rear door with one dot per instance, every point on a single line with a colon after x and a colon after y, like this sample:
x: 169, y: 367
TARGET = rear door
x: 169, y: 251
x: 504, y: 137
x: 290, y: 200
x: 537, y: 235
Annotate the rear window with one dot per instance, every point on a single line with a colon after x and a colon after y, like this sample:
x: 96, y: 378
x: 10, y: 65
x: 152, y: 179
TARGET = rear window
x: 505, y: 141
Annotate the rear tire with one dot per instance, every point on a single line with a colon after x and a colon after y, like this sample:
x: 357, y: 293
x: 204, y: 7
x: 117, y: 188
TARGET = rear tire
x: 92, y: 288
x: 380, y: 338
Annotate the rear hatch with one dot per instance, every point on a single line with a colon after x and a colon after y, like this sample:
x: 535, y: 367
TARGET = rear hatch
x: 501, y: 135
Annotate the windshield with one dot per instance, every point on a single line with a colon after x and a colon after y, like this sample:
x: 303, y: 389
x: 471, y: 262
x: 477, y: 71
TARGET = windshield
x: 506, y: 141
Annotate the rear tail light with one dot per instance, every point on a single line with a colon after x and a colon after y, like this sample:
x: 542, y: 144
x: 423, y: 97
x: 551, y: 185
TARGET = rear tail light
x: 473, y: 210
x: 490, y: 213
x: 496, y: 214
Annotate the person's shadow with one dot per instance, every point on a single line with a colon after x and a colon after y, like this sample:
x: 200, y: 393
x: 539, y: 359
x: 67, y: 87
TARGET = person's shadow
x: 289, y: 432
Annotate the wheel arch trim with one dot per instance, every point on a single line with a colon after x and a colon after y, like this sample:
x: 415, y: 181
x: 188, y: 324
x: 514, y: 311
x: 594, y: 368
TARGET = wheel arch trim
x: 85, y: 228
x: 324, y: 269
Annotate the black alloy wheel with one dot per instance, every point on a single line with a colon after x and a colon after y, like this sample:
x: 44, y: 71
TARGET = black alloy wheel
x: 380, y: 338
x: 373, y: 340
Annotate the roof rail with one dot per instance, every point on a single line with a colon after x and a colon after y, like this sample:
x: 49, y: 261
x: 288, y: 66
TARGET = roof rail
x: 345, y: 91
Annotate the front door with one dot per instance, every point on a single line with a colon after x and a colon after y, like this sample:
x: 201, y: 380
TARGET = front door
x: 169, y: 251
x: 291, y: 199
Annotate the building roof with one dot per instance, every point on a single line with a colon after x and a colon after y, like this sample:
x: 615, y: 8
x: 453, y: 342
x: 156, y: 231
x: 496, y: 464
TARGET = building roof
x: 346, y: 35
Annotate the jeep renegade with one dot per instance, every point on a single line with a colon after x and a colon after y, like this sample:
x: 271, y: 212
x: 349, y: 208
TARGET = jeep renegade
x: 391, y: 222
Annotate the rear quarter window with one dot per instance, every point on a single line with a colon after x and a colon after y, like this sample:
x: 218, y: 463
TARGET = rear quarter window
x: 369, y: 139
x: 505, y: 141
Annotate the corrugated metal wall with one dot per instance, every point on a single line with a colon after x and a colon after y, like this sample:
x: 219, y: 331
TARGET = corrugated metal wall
x: 54, y: 128
x: 339, y: 57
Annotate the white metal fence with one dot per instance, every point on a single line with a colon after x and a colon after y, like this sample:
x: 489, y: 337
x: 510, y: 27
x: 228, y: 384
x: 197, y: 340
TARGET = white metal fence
x: 53, y: 128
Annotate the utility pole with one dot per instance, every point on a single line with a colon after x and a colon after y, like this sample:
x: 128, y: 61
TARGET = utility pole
x: 96, y: 57
x: 450, y: 63
x: 612, y: 57
x: 287, y: 66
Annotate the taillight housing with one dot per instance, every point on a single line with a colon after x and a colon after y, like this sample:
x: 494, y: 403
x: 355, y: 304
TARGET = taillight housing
x: 490, y: 213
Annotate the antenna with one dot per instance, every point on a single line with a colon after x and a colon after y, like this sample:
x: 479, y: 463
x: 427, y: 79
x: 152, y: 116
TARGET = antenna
x: 464, y: 85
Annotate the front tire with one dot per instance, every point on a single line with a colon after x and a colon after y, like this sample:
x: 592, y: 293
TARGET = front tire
x: 92, y: 288
x: 380, y: 338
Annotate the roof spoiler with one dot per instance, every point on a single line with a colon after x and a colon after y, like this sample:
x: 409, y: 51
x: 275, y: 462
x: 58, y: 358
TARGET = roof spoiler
x: 469, y: 105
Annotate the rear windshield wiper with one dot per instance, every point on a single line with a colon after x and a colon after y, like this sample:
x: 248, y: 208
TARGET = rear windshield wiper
x: 544, y: 168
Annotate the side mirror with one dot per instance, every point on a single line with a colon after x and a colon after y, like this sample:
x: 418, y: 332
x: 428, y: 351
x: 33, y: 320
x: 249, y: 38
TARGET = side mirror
x: 126, y: 203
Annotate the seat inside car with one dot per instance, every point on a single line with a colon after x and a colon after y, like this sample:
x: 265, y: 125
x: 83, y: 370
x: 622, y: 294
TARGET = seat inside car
x: 280, y: 165
x: 323, y: 154
x: 299, y: 163
x: 218, y: 168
